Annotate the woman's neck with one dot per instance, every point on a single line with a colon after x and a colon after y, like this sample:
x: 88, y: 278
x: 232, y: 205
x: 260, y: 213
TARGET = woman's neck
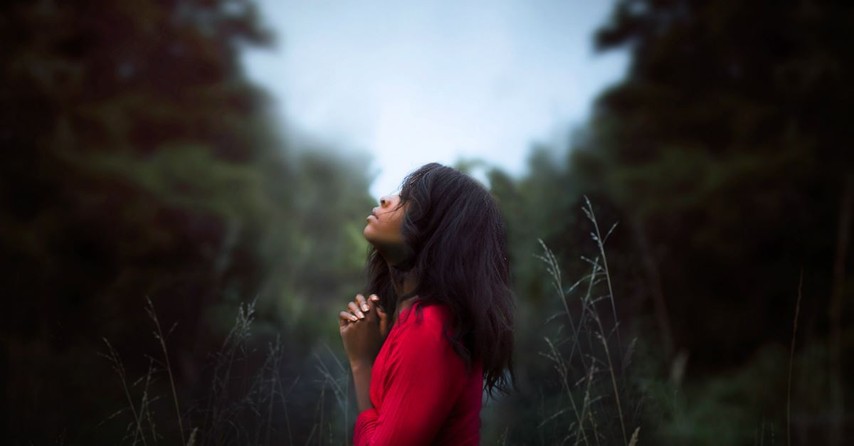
x: 405, y: 290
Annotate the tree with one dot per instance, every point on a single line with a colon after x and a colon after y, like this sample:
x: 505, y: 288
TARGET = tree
x: 725, y: 147
x: 139, y: 162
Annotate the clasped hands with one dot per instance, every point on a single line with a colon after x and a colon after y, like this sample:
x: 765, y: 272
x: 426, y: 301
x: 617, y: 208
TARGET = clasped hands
x: 363, y: 328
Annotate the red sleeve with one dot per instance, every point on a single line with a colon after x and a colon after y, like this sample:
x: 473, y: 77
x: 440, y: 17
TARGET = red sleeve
x: 423, y: 379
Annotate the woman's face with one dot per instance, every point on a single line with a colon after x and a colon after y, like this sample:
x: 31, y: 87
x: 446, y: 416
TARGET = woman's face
x: 385, y: 223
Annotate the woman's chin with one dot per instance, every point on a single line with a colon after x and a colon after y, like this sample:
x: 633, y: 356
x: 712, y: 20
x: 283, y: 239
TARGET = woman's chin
x: 371, y: 236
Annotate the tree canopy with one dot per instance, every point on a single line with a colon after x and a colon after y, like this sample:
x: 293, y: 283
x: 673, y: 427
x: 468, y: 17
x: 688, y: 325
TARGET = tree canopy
x: 722, y: 156
x: 141, y: 163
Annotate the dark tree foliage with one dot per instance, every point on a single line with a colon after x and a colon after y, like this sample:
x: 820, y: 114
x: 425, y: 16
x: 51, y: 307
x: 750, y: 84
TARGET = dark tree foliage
x: 726, y: 146
x: 723, y: 155
x: 138, y: 162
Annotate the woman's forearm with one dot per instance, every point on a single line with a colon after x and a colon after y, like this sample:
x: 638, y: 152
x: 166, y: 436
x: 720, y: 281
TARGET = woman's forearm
x: 362, y: 382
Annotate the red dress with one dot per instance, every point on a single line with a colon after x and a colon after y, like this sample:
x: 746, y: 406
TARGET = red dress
x: 421, y: 390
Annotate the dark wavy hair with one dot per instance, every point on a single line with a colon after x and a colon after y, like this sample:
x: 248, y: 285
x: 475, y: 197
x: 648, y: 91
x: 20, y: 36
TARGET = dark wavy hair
x: 456, y: 234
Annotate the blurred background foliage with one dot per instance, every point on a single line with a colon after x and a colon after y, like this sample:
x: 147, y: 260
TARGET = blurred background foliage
x: 140, y: 163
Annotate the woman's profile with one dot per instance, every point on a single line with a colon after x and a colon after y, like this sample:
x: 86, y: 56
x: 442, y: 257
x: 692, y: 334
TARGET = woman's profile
x: 436, y: 329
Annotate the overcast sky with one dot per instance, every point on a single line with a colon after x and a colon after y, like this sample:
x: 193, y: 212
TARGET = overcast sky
x: 411, y: 82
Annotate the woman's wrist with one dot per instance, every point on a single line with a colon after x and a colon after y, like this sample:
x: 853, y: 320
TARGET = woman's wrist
x: 362, y: 383
x: 361, y: 364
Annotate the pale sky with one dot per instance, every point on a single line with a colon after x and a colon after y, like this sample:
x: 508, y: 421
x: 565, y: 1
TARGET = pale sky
x: 411, y: 82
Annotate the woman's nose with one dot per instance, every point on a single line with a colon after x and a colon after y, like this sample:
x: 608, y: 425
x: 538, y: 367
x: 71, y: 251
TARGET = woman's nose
x: 386, y: 200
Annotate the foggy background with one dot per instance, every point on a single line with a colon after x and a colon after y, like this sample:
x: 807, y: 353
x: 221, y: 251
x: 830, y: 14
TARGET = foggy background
x: 412, y: 83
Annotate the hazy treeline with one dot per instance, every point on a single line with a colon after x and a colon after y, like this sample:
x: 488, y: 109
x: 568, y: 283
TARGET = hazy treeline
x: 723, y: 155
x: 141, y: 164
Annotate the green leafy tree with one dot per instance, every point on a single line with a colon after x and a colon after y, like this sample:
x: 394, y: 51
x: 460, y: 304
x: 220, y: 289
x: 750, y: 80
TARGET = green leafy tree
x: 722, y: 156
x: 724, y: 147
x: 139, y: 162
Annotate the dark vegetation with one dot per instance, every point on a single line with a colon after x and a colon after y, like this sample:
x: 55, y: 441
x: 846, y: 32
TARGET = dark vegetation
x: 139, y: 165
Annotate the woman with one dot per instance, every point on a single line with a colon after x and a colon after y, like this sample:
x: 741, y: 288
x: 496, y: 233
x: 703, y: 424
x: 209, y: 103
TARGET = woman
x: 437, y: 327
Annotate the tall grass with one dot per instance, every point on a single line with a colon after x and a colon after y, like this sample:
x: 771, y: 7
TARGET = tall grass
x: 599, y: 402
x: 247, y: 401
x: 792, y: 362
x: 589, y: 360
x: 141, y: 425
x: 161, y: 339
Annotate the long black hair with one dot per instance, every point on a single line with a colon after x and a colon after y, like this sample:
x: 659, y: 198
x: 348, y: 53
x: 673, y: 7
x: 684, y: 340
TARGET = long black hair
x: 456, y: 234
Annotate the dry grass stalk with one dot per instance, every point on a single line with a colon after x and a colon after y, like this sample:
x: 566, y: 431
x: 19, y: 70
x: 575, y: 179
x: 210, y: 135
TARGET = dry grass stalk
x: 158, y: 334
x: 596, y: 336
x: 791, y: 361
